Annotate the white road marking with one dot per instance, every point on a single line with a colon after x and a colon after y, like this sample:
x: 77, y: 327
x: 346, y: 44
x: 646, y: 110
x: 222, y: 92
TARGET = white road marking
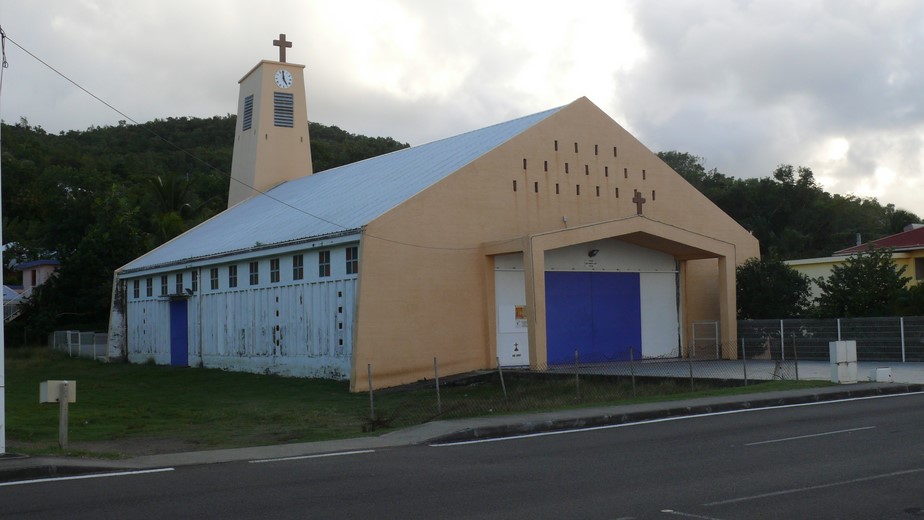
x: 810, y: 436
x: 668, y: 419
x: 81, y: 477
x: 687, y: 515
x: 812, y: 488
x: 301, y: 457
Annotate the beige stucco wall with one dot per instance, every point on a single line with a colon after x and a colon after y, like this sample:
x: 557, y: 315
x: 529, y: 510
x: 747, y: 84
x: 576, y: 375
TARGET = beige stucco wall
x: 913, y: 268
x: 430, y: 259
x: 267, y: 155
x: 42, y: 274
x: 816, y: 268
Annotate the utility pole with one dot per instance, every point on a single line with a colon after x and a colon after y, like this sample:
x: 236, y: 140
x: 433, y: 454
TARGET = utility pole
x: 3, y: 66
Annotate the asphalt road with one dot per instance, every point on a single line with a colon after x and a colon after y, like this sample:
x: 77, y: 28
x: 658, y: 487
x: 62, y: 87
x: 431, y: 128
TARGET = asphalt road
x: 848, y: 459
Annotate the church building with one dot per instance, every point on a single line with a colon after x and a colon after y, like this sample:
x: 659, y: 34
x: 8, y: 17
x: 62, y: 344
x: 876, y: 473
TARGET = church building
x: 515, y: 244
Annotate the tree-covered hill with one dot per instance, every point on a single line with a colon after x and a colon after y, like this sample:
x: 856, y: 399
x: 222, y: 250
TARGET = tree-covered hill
x: 173, y: 172
x: 96, y: 199
x: 788, y: 212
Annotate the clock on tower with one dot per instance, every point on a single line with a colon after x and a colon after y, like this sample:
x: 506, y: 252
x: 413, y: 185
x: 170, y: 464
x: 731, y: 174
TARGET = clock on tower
x: 271, y: 142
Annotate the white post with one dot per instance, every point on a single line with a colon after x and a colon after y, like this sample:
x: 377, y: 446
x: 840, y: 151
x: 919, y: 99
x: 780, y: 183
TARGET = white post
x: 901, y: 324
x: 2, y: 346
x: 436, y: 377
x: 371, y: 398
x: 62, y: 415
x: 500, y: 372
x: 839, y: 329
x: 782, y: 343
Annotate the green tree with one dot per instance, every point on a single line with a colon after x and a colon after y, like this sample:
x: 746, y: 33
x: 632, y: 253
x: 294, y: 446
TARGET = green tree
x: 97, y: 198
x: 788, y: 212
x: 78, y: 295
x: 768, y: 288
x: 867, y: 285
x: 913, y: 303
x: 895, y: 220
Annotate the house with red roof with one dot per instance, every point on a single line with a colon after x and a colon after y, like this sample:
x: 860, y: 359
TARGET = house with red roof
x: 907, y: 250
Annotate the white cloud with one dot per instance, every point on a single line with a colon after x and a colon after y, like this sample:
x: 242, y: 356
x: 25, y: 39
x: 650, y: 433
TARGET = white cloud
x: 747, y: 85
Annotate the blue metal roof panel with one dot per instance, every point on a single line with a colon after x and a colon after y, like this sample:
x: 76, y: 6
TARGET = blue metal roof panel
x: 9, y: 294
x: 333, y: 201
x: 35, y: 263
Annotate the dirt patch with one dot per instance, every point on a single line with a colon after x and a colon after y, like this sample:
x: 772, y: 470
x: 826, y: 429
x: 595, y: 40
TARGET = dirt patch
x: 122, y: 448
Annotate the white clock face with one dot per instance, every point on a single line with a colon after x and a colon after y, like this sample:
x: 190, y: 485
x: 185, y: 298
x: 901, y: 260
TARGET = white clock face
x: 283, y: 79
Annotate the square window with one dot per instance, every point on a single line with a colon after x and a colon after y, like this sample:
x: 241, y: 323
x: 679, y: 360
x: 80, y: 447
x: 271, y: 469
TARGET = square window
x: 274, y: 270
x: 149, y: 287
x: 213, y: 278
x: 919, y: 268
x: 232, y: 276
x: 323, y: 263
x: 352, y: 260
x: 136, y: 288
x: 254, y: 273
x: 298, y: 267
x: 163, y: 285
x: 179, y: 283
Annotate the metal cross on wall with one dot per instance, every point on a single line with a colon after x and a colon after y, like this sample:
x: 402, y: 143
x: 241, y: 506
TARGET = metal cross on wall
x: 283, y: 45
x: 638, y: 200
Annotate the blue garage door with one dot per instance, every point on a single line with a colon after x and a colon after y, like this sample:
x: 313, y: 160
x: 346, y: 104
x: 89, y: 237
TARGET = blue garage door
x: 599, y: 314
x: 179, y: 338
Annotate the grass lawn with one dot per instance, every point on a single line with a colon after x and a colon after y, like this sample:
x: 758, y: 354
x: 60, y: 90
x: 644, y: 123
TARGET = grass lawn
x: 175, y: 409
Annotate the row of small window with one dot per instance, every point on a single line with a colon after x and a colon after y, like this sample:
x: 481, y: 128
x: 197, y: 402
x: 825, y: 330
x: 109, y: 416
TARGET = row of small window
x: 298, y: 273
x: 577, y: 190
x: 596, y: 149
x: 606, y: 170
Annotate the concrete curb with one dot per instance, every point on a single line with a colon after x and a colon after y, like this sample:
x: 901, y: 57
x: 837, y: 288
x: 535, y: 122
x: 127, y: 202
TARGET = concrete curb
x: 29, y: 468
x: 527, y: 427
x: 13, y: 468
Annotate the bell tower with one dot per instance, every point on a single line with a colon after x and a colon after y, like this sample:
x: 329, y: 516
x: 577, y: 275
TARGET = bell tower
x: 271, y: 142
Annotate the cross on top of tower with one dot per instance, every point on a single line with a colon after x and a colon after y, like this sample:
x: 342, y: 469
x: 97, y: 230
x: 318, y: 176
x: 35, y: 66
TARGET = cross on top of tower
x: 283, y: 45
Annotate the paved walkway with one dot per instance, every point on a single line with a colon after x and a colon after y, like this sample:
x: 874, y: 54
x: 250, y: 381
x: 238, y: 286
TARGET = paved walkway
x: 13, y: 468
x: 753, y: 370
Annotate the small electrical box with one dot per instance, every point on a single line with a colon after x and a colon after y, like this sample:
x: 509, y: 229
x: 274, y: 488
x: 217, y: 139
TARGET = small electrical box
x: 50, y: 391
x: 881, y: 375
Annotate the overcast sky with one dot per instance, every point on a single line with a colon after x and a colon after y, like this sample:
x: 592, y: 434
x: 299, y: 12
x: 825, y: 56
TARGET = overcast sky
x: 836, y: 86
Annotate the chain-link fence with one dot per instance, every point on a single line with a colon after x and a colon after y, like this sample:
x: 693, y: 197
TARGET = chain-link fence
x: 566, y: 385
x: 892, y: 339
x: 766, y: 350
x: 75, y: 343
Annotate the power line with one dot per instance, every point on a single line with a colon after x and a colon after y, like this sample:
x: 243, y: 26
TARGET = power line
x: 213, y: 168
x: 165, y: 140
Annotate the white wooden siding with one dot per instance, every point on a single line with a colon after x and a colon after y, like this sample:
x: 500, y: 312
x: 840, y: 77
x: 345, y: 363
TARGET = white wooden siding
x: 297, y: 329
x: 149, y: 331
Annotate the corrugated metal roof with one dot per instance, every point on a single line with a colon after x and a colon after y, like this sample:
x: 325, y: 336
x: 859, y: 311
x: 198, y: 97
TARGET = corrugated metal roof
x: 336, y: 200
x: 35, y: 263
x: 905, y: 241
x: 9, y: 294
